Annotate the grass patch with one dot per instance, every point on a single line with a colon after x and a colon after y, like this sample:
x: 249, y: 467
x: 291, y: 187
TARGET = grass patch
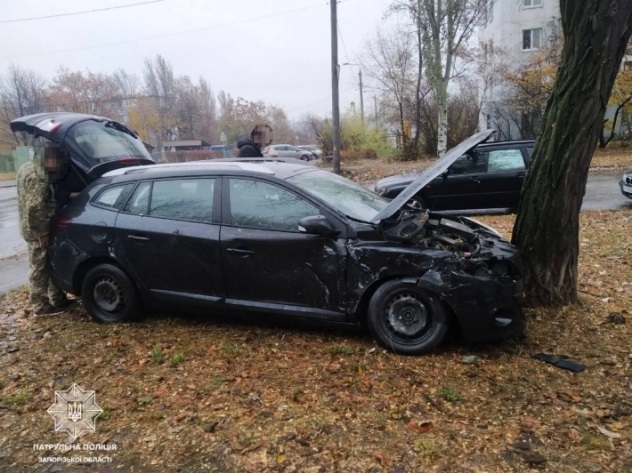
x: 449, y: 395
x: 296, y: 394
x: 358, y: 367
x: 230, y: 350
x: 340, y: 350
x: 157, y: 356
x: 215, y: 383
x: 428, y: 449
x: 106, y: 414
x: 18, y: 399
x: 177, y: 359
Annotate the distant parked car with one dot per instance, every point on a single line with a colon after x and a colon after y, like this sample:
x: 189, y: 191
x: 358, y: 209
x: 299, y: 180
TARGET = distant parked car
x: 284, y: 238
x: 313, y: 149
x: 625, y: 184
x: 486, y: 179
x: 288, y: 151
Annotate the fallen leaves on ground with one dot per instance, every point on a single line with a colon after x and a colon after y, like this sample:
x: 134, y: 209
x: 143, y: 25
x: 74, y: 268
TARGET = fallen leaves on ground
x: 204, y: 394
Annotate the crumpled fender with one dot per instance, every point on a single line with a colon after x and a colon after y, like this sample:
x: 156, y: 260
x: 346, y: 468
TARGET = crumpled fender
x: 474, y: 300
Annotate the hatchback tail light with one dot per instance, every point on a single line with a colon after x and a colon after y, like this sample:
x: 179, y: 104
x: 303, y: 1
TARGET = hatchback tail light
x: 59, y: 223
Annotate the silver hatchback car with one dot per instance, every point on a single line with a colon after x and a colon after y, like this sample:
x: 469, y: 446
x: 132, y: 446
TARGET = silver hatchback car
x: 288, y: 151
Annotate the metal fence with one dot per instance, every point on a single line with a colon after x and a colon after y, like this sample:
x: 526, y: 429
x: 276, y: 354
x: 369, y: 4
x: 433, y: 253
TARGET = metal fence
x: 7, y: 164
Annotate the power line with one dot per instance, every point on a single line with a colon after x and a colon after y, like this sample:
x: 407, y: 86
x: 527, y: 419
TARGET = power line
x: 342, y: 41
x: 166, y: 35
x: 79, y: 12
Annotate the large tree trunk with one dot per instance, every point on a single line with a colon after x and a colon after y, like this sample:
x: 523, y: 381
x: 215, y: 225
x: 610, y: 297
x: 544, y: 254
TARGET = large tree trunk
x: 546, y: 230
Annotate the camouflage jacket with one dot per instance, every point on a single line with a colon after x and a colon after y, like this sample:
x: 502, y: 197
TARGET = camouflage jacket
x: 36, y: 204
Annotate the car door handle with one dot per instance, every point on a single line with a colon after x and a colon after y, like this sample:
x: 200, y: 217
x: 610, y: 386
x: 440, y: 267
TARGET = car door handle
x: 240, y: 252
x: 138, y: 238
x: 475, y: 179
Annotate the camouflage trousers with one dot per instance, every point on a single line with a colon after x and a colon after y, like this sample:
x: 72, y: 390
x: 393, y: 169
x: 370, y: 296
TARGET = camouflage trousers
x: 43, y: 291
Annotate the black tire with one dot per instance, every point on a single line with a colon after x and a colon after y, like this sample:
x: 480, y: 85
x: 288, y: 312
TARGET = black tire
x: 108, y: 294
x: 305, y: 157
x: 406, y: 319
x: 417, y: 202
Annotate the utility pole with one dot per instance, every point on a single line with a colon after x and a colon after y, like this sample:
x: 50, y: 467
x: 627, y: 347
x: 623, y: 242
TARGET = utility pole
x: 336, y: 130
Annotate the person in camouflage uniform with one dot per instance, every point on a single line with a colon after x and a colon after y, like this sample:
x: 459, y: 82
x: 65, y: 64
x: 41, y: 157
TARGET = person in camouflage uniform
x: 36, y: 206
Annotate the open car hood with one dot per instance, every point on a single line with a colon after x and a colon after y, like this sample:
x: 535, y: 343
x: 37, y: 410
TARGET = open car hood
x: 430, y: 173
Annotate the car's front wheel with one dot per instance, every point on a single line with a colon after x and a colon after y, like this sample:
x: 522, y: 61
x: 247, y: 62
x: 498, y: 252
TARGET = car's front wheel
x: 406, y: 318
x: 305, y: 157
x: 108, y: 294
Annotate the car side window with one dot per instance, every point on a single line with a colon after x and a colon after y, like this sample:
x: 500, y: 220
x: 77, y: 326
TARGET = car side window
x: 139, y: 202
x: 257, y: 204
x: 178, y: 199
x: 113, y: 197
x: 469, y: 164
x: 183, y: 199
x: 505, y: 160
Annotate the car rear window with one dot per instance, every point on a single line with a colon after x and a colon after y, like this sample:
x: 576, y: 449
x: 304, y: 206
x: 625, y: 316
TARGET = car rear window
x: 113, y: 197
x: 183, y: 199
x: 102, y: 141
x: 505, y: 160
x: 176, y: 199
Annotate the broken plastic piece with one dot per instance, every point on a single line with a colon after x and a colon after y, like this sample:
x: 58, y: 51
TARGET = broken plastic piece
x: 560, y: 361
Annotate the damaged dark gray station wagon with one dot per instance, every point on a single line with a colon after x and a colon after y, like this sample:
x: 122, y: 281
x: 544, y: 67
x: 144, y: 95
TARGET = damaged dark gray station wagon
x: 284, y: 238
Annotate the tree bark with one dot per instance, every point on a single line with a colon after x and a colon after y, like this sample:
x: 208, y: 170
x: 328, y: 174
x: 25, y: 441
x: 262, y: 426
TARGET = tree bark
x: 546, y: 230
x: 442, y: 119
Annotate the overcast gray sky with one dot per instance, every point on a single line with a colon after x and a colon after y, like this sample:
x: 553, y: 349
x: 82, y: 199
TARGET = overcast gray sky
x: 277, y: 51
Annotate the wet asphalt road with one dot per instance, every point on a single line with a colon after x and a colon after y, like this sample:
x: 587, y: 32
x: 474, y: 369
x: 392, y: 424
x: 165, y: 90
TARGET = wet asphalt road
x: 602, y: 193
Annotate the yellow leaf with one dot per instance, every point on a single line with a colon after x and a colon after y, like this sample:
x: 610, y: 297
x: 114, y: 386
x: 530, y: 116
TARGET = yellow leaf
x: 281, y: 458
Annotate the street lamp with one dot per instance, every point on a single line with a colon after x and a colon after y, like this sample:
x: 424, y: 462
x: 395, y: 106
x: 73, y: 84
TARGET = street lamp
x: 360, y: 86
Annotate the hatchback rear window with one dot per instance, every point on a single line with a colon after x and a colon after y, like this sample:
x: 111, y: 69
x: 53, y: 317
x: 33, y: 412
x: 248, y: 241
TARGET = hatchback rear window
x: 102, y: 141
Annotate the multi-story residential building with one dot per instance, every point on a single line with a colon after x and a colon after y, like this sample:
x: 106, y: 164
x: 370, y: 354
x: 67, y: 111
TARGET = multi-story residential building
x: 512, y: 33
x: 517, y: 35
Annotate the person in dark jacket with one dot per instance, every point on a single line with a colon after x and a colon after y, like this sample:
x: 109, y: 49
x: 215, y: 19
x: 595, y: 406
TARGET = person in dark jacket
x: 261, y: 136
x: 247, y: 148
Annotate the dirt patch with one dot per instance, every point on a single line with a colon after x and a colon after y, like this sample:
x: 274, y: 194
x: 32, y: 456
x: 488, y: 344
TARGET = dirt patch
x: 205, y: 394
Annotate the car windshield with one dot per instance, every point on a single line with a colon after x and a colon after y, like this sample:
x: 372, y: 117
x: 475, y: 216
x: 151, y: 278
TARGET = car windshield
x: 342, y: 194
x: 103, y: 141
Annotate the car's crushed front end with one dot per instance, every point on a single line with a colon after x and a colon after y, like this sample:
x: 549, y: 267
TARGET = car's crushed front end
x: 475, y: 271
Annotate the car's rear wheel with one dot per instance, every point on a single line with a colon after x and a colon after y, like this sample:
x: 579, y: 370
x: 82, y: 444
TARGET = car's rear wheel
x: 417, y: 203
x: 108, y: 294
x: 406, y: 318
x: 305, y: 157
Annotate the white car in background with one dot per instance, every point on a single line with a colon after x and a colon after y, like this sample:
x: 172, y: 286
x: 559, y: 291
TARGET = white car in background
x: 288, y: 151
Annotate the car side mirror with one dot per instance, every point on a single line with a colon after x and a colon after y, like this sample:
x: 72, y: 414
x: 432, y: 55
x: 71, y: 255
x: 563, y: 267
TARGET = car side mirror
x: 316, y: 225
